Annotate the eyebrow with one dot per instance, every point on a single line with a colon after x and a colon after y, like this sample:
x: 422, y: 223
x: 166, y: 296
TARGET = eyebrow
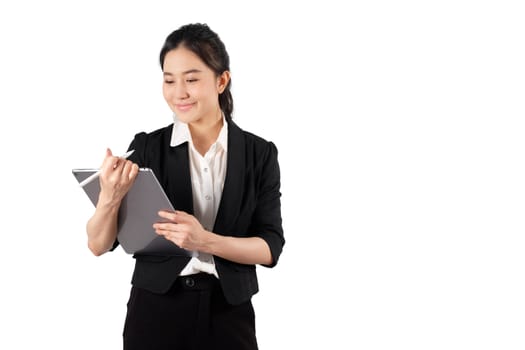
x: 185, y: 72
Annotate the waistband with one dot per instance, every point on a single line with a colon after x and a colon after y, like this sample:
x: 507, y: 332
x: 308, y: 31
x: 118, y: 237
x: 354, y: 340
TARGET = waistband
x: 199, y: 281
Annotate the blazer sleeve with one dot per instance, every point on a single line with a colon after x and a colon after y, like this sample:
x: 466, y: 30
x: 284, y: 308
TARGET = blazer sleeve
x: 267, y: 221
x: 139, y: 145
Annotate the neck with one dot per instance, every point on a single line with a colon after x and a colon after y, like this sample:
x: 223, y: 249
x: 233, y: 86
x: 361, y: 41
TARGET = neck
x: 205, y: 132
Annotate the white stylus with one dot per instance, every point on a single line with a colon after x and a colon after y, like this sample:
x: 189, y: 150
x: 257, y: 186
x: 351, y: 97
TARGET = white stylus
x: 97, y: 173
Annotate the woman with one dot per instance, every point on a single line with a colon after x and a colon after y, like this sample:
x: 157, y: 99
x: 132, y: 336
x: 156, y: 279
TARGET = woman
x: 225, y: 186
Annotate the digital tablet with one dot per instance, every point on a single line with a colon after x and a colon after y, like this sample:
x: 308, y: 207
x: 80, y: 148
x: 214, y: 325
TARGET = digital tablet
x: 138, y: 212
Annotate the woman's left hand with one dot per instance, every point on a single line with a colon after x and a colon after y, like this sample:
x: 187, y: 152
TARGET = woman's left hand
x: 183, y: 229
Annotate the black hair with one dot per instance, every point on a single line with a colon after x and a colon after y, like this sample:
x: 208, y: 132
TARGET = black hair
x: 206, y: 44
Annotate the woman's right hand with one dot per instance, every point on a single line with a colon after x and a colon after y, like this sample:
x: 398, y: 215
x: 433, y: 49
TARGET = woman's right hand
x: 116, y: 178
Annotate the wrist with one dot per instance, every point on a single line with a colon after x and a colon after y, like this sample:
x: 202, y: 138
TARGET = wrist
x: 212, y: 243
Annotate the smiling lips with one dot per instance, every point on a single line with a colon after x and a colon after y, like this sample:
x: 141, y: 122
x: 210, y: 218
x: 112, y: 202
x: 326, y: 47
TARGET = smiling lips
x: 184, y: 107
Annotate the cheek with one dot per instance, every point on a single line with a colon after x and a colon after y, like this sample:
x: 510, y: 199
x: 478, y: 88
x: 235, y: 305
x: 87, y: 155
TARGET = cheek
x: 210, y: 92
x: 166, y: 93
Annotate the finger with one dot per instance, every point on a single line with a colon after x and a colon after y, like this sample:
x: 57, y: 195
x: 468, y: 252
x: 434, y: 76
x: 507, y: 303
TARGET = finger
x: 127, y: 168
x: 169, y: 215
x: 134, y: 171
x: 108, y: 162
x: 183, y: 217
x: 165, y: 226
x: 119, y: 163
x: 169, y: 235
x: 182, y: 213
x: 161, y: 231
x: 117, y: 167
x: 126, y: 165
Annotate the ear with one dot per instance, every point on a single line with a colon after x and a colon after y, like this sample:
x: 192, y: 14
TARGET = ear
x: 222, y: 81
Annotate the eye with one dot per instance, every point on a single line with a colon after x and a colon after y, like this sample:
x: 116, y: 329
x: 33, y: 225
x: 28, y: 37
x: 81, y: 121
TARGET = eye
x: 168, y: 81
x: 191, y: 80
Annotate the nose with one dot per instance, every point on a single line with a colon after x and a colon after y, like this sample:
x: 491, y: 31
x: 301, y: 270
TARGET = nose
x: 180, y: 91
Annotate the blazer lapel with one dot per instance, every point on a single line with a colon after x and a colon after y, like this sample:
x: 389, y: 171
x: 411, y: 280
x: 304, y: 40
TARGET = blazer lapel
x: 178, y: 168
x: 234, y: 183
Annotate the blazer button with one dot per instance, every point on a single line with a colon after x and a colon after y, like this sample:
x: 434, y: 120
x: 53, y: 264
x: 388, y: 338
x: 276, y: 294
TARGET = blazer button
x: 189, y: 282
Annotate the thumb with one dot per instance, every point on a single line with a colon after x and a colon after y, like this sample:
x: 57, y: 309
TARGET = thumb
x: 106, y: 161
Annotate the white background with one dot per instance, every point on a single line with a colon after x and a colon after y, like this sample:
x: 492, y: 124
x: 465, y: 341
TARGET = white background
x: 401, y: 138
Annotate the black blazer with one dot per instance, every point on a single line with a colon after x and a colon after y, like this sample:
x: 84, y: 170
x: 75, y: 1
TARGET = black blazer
x: 250, y: 205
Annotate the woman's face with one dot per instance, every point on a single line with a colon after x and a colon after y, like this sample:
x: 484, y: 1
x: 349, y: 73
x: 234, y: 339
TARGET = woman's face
x: 190, y: 88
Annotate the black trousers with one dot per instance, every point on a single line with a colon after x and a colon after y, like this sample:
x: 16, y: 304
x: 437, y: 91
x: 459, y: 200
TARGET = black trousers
x: 193, y: 315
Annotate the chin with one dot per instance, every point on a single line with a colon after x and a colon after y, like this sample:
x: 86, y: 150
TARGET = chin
x: 186, y: 117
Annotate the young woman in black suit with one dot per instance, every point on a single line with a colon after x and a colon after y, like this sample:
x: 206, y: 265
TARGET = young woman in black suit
x: 224, y: 183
